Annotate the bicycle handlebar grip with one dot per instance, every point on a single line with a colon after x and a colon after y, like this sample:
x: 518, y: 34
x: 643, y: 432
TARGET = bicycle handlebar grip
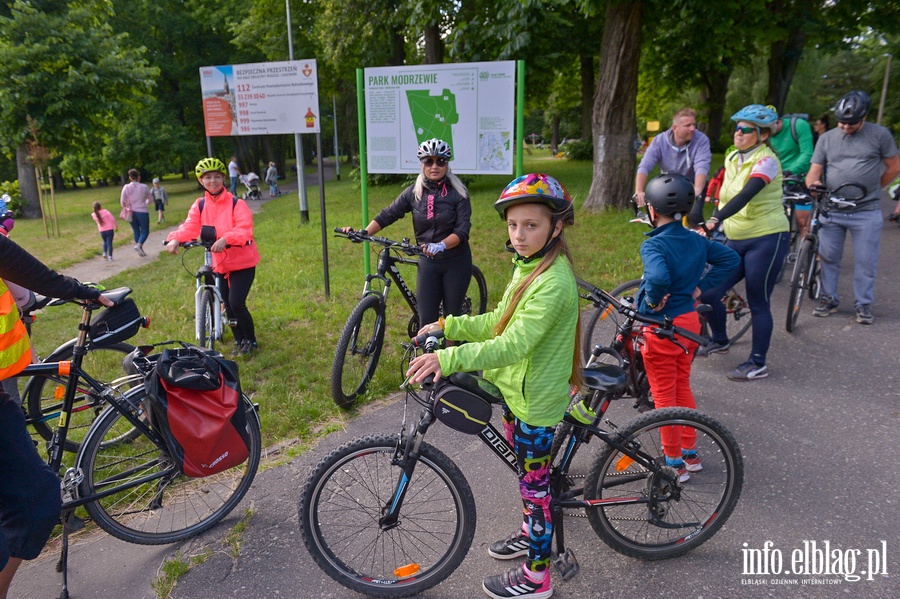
x: 700, y: 339
x: 427, y: 341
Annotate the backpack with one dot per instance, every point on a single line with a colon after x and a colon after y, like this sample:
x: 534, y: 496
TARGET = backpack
x: 194, y: 402
x: 794, y: 118
x: 203, y: 203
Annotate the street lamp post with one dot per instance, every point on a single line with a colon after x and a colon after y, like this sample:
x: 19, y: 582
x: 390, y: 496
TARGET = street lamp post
x: 298, y: 144
x: 884, y: 88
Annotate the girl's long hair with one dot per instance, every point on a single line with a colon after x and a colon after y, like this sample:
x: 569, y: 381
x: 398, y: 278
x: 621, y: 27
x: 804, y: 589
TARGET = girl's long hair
x: 549, y: 258
x: 454, y: 181
x: 97, y: 209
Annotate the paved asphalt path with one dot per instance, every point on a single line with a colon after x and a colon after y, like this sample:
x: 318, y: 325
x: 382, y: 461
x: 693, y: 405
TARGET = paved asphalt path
x: 819, y: 439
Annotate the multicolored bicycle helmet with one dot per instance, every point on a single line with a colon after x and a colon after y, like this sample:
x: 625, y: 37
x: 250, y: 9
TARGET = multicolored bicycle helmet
x: 852, y: 107
x: 436, y: 148
x: 209, y: 165
x: 759, y: 115
x: 537, y: 188
x: 670, y: 194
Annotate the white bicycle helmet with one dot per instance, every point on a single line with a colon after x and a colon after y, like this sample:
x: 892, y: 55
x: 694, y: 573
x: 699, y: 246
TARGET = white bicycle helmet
x: 434, y: 147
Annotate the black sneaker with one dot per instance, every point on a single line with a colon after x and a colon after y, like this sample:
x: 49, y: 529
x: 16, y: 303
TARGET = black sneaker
x: 516, y: 583
x: 248, y: 347
x: 827, y: 305
x: 237, y: 349
x: 864, y: 314
x: 713, y: 347
x: 512, y: 547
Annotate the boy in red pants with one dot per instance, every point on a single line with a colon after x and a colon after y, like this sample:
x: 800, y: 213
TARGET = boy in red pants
x: 675, y: 274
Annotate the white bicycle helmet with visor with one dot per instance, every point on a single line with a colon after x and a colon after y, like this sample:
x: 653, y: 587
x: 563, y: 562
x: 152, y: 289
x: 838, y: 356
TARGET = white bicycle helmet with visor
x: 435, y: 148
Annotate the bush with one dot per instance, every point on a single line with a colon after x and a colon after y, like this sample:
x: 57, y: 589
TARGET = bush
x: 15, y: 204
x: 578, y: 150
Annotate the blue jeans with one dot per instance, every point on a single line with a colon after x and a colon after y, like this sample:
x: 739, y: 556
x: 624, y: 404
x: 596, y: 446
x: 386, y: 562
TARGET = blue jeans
x: 233, y: 188
x: 761, y: 259
x: 107, y: 237
x: 140, y: 224
x: 865, y: 231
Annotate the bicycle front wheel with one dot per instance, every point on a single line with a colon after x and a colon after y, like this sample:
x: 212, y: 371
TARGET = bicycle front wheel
x: 157, y: 504
x: 667, y: 518
x: 44, y: 394
x: 602, y: 323
x: 206, y: 319
x: 476, y: 298
x: 800, y: 280
x: 358, y: 350
x: 346, y: 495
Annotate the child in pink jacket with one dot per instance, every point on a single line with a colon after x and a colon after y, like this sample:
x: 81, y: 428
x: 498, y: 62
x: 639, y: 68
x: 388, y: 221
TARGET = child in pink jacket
x: 107, y: 225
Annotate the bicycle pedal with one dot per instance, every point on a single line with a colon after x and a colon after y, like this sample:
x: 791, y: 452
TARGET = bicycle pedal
x: 567, y: 565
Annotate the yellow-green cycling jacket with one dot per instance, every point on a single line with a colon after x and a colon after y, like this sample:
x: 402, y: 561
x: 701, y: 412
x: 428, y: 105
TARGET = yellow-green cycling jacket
x: 531, y: 362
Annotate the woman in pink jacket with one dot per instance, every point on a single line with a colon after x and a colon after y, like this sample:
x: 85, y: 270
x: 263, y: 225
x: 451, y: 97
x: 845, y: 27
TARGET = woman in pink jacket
x: 108, y: 226
x: 234, y: 253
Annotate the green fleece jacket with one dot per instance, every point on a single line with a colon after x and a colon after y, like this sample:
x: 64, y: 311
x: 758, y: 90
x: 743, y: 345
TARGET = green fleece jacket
x: 531, y: 362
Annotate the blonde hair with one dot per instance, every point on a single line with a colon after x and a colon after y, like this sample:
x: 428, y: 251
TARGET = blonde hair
x: 561, y: 247
x: 455, y: 183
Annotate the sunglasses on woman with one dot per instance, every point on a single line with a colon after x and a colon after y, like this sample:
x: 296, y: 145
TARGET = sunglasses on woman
x: 432, y: 161
x: 745, y: 130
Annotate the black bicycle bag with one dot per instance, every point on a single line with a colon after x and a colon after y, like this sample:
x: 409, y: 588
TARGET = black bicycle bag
x: 115, y: 324
x: 464, y: 402
x: 195, y: 404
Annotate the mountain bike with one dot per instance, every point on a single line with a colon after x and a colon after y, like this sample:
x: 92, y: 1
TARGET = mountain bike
x: 391, y: 515
x: 793, y: 193
x: 42, y: 395
x: 123, y: 474
x: 362, y: 337
x: 805, y: 275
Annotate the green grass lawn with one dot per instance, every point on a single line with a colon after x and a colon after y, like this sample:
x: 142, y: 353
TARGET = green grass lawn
x: 297, y: 326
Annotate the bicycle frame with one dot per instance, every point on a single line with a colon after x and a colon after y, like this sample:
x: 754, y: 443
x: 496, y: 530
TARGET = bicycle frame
x: 387, y: 265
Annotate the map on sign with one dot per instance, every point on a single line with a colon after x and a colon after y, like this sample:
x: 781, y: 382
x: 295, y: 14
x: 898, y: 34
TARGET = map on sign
x: 264, y: 98
x: 471, y: 106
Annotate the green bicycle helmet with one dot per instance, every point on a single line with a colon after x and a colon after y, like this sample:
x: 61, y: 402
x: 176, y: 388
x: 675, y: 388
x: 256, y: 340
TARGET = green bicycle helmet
x: 209, y: 165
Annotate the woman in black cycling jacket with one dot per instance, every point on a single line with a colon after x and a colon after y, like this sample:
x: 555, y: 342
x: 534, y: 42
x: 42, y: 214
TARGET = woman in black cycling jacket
x: 442, y: 215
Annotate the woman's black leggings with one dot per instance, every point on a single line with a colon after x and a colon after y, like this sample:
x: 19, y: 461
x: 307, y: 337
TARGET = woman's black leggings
x: 234, y: 289
x: 445, y: 280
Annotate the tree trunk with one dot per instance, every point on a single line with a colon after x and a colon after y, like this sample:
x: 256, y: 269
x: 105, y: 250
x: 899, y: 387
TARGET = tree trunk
x: 614, y: 124
x: 712, y: 96
x: 554, y: 135
x: 434, y: 45
x: 587, y: 94
x: 784, y: 56
x: 31, y: 207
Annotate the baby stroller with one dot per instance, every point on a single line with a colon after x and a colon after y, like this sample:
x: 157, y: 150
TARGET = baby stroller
x: 251, y: 182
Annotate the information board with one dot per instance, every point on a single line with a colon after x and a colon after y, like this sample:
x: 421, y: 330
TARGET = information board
x: 471, y: 106
x: 263, y: 98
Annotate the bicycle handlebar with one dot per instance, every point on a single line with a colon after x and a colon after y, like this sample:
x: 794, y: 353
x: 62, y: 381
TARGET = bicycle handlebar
x: 663, y: 326
x: 359, y: 236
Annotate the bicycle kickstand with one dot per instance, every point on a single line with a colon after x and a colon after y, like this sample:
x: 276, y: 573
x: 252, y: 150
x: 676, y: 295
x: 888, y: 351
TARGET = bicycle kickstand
x: 565, y: 561
x: 70, y: 523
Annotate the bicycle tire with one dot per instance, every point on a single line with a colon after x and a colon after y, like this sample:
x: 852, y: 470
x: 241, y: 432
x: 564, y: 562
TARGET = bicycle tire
x: 344, y: 497
x: 601, y: 324
x: 479, y: 306
x: 102, y: 363
x: 206, y: 323
x: 799, y: 283
x: 700, y: 506
x: 358, y: 350
x: 167, y: 509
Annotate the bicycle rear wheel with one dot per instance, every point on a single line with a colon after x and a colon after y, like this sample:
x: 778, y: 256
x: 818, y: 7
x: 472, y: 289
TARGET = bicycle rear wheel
x: 44, y: 394
x: 476, y: 297
x: 344, y: 498
x: 800, y: 280
x: 158, y: 504
x: 687, y: 513
x: 358, y: 350
x: 206, y: 320
x: 602, y: 323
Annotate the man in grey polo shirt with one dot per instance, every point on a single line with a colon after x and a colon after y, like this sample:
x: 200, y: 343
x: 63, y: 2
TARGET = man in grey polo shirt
x: 866, y: 154
x: 682, y: 149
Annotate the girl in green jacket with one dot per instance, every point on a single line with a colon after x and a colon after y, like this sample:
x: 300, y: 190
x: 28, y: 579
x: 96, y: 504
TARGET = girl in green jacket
x: 528, y: 347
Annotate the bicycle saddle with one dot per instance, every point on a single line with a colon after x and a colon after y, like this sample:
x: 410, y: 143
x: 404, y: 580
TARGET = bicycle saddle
x: 117, y: 294
x: 608, y: 378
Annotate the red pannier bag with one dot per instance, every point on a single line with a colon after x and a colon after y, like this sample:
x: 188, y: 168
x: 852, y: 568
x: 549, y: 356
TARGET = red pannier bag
x: 194, y: 400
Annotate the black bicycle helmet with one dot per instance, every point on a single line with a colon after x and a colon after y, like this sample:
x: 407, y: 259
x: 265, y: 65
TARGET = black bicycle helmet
x: 852, y: 107
x: 670, y: 194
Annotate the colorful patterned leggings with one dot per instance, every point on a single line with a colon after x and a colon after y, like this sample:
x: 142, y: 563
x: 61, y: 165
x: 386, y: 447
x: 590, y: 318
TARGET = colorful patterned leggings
x: 532, y: 447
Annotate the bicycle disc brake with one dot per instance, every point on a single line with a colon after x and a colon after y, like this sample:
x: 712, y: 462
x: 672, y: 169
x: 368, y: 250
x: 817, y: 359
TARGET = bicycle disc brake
x: 412, y: 329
